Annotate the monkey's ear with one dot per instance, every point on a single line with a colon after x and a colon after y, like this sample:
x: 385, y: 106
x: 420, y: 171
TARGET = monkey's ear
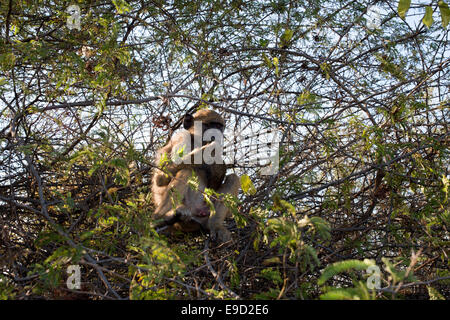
x: 188, y: 121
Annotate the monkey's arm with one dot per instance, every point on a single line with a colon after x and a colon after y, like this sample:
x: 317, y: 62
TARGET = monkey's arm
x: 161, y: 175
x: 175, y: 190
x: 165, y: 167
x: 176, y: 162
x: 196, y: 158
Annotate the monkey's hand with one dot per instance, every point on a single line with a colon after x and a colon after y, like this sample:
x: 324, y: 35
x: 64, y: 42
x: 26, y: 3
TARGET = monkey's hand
x: 162, y: 180
x: 219, y: 234
x: 183, y: 213
x: 169, y: 220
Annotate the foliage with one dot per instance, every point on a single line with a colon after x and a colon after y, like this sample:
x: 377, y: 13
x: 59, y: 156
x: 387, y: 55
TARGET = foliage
x: 6, y: 289
x: 362, y: 109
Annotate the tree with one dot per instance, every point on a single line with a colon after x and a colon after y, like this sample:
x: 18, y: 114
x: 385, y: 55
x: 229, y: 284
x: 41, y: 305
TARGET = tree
x: 360, y: 102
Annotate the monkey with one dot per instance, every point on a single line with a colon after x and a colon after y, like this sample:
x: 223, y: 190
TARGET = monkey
x: 210, y: 120
x: 179, y: 205
x: 192, y: 209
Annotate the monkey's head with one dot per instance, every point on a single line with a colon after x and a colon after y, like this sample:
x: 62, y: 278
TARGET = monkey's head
x: 209, y: 119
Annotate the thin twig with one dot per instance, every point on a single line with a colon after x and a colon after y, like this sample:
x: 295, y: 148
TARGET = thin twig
x: 215, y: 274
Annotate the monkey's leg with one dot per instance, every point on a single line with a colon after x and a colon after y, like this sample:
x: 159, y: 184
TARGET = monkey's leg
x: 217, y: 229
x: 192, y: 198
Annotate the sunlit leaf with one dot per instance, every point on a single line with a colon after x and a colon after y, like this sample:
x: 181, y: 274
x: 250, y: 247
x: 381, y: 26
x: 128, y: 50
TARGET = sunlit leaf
x: 121, y: 6
x: 275, y: 63
x: 286, y: 37
x: 247, y: 185
x: 434, y: 294
x: 445, y: 13
x: 403, y: 7
x: 343, y: 266
x: 428, y: 17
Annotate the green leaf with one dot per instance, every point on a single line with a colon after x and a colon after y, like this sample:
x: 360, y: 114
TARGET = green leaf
x: 322, y: 227
x: 403, y: 7
x: 209, y: 202
x: 445, y: 13
x: 87, y: 234
x: 343, y: 266
x: 340, y: 294
x: 283, y: 205
x: 359, y: 292
x: 396, y: 274
x: 275, y: 62
x: 247, y: 185
x: 267, y: 61
x: 428, y: 17
x: 118, y: 163
x: 121, y: 6
x: 272, y: 275
x: 7, y: 61
x: 434, y: 294
x: 286, y: 37
x: 272, y: 260
x: 326, y: 70
x: 263, y: 43
x: 306, y: 97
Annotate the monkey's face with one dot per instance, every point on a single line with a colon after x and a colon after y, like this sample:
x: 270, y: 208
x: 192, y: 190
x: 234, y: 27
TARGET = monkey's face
x: 205, y: 123
x: 209, y: 132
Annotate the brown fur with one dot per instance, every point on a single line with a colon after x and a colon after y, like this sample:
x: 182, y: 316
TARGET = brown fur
x: 174, y: 197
